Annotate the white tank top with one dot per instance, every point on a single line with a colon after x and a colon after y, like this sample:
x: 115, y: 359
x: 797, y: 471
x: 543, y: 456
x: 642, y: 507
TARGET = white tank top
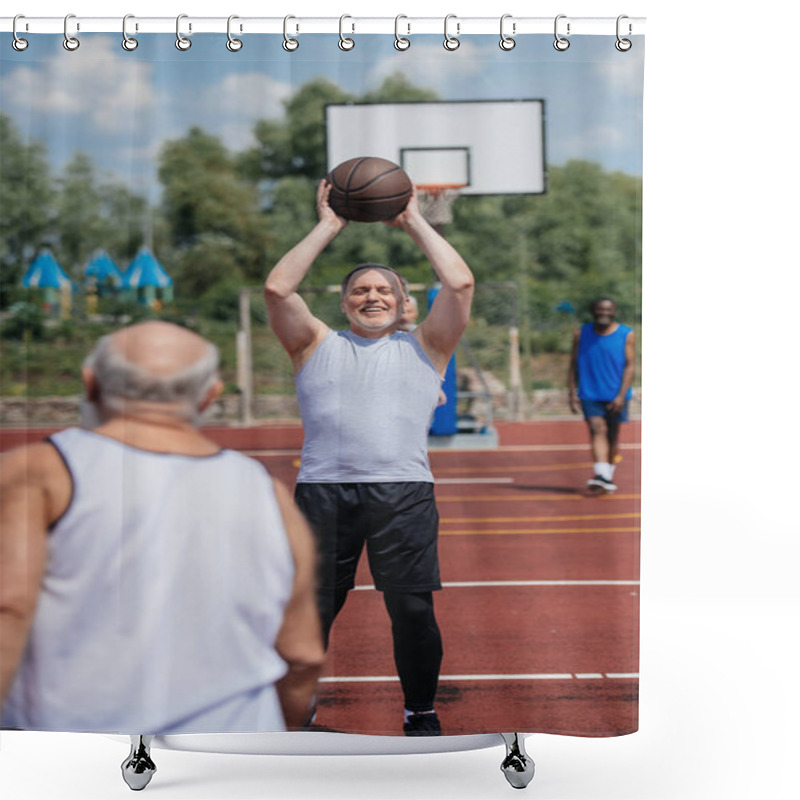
x: 367, y: 405
x: 163, y: 595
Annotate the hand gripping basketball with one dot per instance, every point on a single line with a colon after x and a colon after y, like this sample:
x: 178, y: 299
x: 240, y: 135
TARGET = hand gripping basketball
x: 324, y: 210
x: 411, y: 211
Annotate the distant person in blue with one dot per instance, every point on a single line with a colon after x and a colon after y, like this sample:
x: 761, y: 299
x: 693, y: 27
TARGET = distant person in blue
x: 601, y: 374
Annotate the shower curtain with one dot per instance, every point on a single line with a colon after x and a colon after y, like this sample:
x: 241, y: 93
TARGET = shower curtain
x: 164, y: 182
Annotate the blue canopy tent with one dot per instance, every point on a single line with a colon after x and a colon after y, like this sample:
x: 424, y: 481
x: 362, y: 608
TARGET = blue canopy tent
x: 102, y: 272
x: 47, y: 274
x: 145, y: 275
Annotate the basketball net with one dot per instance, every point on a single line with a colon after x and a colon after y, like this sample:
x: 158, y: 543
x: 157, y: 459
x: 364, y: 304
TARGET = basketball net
x: 436, y: 202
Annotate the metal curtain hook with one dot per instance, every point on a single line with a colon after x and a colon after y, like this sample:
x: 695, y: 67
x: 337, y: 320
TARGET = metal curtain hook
x: 289, y: 44
x: 451, y: 42
x: 400, y: 42
x: 128, y: 42
x: 233, y: 44
x: 70, y: 42
x: 19, y: 44
x: 345, y: 43
x: 623, y: 45
x: 506, y: 42
x: 561, y: 43
x: 181, y: 42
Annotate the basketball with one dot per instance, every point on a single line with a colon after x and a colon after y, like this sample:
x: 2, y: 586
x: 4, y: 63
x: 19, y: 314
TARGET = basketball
x: 368, y: 189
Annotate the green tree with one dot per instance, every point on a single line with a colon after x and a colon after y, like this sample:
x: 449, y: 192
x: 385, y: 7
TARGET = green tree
x: 215, y: 226
x: 26, y: 205
x: 78, y: 216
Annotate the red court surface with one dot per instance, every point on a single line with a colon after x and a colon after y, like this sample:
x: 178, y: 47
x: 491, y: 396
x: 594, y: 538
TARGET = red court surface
x: 539, y: 613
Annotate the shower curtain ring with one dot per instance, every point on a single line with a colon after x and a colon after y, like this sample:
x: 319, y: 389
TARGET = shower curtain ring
x: 289, y: 44
x: 623, y: 45
x: 128, y: 42
x: 451, y: 42
x: 70, y: 42
x: 233, y: 44
x: 345, y: 43
x: 400, y: 42
x: 19, y: 44
x: 507, y: 42
x: 181, y: 42
x: 561, y: 43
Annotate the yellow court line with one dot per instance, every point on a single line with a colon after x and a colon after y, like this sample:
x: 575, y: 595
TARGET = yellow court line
x: 540, y: 519
x: 513, y: 468
x: 536, y: 531
x: 488, y: 498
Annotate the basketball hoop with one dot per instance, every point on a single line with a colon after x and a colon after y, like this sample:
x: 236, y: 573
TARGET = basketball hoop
x: 436, y: 201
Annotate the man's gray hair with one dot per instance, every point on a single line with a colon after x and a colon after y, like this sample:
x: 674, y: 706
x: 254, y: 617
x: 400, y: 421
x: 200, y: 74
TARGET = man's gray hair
x: 120, y: 381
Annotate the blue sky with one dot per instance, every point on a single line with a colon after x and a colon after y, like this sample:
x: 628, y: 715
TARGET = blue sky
x: 121, y: 106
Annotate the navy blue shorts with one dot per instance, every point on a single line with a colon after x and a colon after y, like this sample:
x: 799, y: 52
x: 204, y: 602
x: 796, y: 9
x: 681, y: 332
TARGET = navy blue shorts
x: 398, y: 522
x: 599, y: 408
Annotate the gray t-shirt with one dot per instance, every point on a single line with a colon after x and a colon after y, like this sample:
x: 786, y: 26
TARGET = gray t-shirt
x: 367, y: 405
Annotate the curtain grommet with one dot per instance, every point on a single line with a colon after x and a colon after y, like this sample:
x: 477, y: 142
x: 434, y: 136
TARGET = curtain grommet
x: 18, y: 43
x: 70, y: 43
x: 289, y: 44
x: 181, y: 42
x: 507, y: 42
x: 129, y: 43
x: 451, y: 43
x: 233, y: 44
x: 400, y: 42
x: 561, y: 43
x: 345, y: 42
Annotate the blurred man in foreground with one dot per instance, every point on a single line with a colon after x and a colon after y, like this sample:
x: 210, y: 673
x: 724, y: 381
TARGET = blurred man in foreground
x: 152, y: 582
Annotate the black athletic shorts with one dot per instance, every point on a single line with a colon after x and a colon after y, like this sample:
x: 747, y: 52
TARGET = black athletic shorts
x: 398, y: 522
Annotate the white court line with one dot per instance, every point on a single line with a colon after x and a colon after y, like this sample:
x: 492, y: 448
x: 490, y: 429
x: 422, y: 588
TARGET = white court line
x: 472, y: 584
x: 509, y: 448
x: 457, y: 481
x: 557, y: 676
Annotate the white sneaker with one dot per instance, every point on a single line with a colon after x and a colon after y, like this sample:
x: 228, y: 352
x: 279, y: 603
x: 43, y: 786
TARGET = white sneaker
x: 599, y: 484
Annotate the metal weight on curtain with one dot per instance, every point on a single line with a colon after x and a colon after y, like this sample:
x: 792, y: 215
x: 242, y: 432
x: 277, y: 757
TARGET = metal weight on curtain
x: 128, y: 42
x: 507, y: 42
x: 451, y: 43
x: 19, y: 44
x: 561, y: 43
x: 400, y: 42
x: 289, y: 44
x: 623, y: 45
x: 181, y: 42
x: 70, y: 43
x: 233, y: 44
x: 345, y: 43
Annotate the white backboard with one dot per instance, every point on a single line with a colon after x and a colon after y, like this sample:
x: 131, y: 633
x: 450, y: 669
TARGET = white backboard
x: 489, y: 147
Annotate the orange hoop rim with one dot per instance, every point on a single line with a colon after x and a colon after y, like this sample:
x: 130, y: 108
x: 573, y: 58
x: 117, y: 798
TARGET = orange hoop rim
x: 439, y: 188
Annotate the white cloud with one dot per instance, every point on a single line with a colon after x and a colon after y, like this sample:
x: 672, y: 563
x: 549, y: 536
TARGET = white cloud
x: 250, y: 96
x: 623, y: 77
x: 432, y: 65
x: 97, y: 84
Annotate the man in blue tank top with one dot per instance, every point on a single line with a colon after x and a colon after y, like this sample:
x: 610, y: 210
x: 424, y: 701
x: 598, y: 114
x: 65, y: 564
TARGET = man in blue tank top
x: 367, y: 397
x: 601, y: 374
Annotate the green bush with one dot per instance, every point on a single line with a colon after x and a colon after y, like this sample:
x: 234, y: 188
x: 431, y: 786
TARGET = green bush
x: 25, y: 322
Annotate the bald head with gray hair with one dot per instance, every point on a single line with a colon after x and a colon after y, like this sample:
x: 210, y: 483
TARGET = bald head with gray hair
x: 154, y: 364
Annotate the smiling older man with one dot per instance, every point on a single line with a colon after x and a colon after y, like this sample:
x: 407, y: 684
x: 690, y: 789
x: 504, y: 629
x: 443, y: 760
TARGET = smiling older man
x: 367, y: 396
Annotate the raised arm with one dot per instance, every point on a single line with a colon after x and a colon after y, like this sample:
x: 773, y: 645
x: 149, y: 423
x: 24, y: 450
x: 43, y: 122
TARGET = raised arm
x: 448, y: 317
x: 35, y: 489
x: 297, y: 329
x: 300, y: 638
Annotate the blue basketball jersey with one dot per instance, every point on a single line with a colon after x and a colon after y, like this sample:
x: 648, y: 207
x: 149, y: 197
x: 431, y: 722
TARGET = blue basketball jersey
x: 601, y: 363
